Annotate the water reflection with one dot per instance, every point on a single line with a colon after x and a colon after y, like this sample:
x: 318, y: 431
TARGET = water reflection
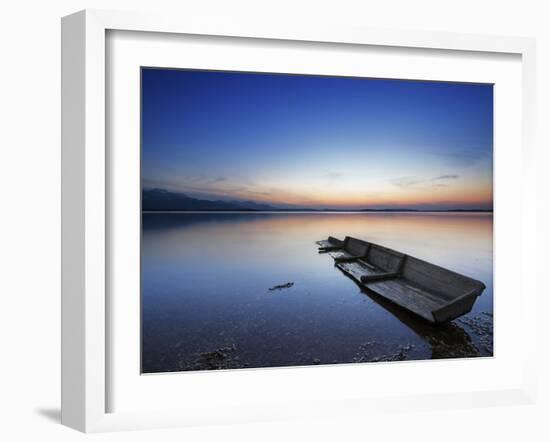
x: 445, y: 340
x: 206, y: 303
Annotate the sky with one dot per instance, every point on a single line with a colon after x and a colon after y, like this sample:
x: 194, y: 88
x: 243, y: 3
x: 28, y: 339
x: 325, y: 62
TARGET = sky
x: 318, y: 141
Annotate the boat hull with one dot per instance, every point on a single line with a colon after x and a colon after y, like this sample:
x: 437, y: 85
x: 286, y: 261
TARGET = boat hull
x: 431, y: 292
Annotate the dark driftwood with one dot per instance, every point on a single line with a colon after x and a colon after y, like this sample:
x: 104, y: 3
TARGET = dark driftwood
x: 281, y: 286
x: 432, y: 292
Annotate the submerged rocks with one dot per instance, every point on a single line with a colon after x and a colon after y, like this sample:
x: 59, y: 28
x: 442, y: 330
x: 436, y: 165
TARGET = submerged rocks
x: 373, y: 351
x: 480, y: 327
x: 222, y: 358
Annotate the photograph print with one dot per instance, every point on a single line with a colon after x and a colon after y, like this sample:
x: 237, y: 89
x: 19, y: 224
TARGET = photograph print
x: 302, y: 220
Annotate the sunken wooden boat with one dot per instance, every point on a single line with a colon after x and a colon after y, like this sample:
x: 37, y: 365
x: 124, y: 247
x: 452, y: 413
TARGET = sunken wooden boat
x: 429, y: 291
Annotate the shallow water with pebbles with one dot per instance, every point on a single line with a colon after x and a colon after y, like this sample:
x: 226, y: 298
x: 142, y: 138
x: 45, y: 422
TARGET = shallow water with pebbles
x: 247, y: 290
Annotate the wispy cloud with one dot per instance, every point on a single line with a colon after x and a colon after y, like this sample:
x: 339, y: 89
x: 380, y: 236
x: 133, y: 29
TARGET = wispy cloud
x: 464, y: 157
x: 446, y: 177
x: 256, y: 192
x: 405, y: 182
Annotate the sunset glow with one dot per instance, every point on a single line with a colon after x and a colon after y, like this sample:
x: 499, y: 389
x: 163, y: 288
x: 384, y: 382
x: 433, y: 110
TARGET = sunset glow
x: 318, y: 142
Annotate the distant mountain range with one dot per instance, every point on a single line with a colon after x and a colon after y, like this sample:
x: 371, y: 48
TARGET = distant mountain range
x: 165, y: 200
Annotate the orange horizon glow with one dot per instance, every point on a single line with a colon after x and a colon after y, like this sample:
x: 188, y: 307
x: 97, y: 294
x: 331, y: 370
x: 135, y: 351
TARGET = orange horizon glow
x: 463, y: 193
x: 316, y: 141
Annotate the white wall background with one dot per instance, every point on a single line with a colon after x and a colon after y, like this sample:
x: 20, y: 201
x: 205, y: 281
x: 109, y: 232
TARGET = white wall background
x: 30, y: 220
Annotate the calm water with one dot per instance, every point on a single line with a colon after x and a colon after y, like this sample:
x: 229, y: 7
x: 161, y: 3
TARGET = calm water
x: 206, y: 303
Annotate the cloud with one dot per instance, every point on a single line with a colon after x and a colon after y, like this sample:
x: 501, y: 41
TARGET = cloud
x: 257, y: 192
x: 446, y: 177
x: 464, y: 157
x: 405, y: 182
x: 334, y: 175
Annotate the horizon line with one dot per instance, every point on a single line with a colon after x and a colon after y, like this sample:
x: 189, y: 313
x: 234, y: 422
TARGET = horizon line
x: 321, y: 211
x: 291, y: 207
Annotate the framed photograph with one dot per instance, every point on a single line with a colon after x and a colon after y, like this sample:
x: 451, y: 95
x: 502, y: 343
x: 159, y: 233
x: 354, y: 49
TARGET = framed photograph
x: 263, y: 222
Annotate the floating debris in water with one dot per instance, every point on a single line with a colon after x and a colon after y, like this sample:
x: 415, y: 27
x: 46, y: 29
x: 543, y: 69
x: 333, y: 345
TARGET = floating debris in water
x: 281, y: 286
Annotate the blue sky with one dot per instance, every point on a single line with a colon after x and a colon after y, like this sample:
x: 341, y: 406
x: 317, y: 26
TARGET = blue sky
x: 315, y: 141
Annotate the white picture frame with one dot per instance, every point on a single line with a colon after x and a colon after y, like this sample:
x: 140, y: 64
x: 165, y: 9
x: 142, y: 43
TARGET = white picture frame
x: 86, y: 204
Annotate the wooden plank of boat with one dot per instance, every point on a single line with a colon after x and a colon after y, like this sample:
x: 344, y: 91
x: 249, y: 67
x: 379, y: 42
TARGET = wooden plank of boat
x: 429, y: 291
x: 326, y: 245
x: 350, y: 250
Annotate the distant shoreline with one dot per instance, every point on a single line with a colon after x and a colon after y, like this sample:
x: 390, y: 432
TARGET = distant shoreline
x: 161, y: 200
x: 325, y: 211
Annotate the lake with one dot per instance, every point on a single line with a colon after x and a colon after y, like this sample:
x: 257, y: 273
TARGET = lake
x: 206, y: 302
